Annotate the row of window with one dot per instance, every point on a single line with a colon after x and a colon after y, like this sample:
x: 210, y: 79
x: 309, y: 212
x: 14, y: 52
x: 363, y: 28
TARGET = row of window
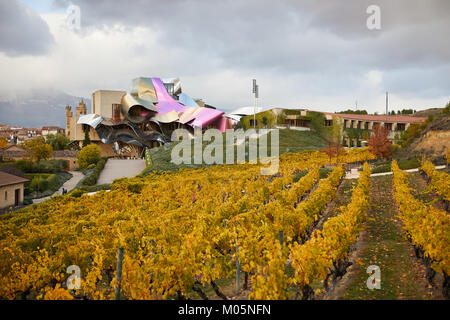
x: 388, y: 125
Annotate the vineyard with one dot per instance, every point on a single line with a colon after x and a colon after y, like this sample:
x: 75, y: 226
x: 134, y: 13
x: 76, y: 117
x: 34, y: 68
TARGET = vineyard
x: 186, y: 232
x: 427, y: 227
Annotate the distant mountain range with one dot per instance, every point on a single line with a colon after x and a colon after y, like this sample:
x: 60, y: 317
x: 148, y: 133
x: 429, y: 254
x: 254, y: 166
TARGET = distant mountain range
x: 36, y: 108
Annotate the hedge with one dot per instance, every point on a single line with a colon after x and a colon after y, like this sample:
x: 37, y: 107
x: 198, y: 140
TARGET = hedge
x: 43, y: 166
x: 93, y: 177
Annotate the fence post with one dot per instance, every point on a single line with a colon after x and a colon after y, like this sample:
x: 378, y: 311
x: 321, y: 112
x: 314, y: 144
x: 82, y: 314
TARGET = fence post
x: 119, y: 273
x: 238, y: 271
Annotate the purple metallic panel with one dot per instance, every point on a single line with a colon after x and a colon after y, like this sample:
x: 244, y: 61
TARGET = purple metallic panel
x: 206, y: 116
x: 165, y: 102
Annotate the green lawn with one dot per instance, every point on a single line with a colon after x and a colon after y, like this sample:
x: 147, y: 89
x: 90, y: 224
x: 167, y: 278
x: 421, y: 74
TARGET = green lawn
x: 289, y: 141
x: 386, y: 247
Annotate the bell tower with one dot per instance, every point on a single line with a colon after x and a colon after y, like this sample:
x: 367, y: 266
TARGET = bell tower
x: 69, y: 116
x: 81, y: 109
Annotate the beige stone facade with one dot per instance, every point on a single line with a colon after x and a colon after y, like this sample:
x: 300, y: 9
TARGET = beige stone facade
x: 102, y: 104
x: 11, y: 190
x: 8, y: 195
x: 103, y: 101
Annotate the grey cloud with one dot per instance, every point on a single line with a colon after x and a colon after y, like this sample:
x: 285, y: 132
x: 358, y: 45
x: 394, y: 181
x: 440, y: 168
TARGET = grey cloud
x: 297, y: 36
x: 326, y: 41
x: 22, y: 31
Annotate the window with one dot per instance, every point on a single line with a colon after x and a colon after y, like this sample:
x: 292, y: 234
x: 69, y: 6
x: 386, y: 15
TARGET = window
x: 169, y: 88
x: 6, y: 195
x: 388, y: 126
x: 328, y: 123
x: 115, y: 111
x: 401, y: 127
x: 303, y: 123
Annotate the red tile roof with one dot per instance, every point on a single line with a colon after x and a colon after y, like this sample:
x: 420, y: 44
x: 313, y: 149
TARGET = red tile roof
x: 380, y: 118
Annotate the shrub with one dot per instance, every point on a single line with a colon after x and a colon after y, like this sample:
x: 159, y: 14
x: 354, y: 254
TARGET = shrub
x: 93, y: 177
x: 27, y: 201
x: 95, y: 188
x: 323, y: 173
x: 299, y: 175
x: 43, y: 166
x: 39, y: 183
x: 135, y: 187
x: 25, y: 165
x: 446, y: 110
x: 77, y: 193
x: 406, y: 164
x: 53, y: 181
x: 403, y: 164
x: 382, y: 168
x: 88, y: 155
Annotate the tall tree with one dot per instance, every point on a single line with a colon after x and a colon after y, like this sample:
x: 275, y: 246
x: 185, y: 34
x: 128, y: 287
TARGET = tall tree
x: 58, y: 141
x: 36, y: 149
x: 87, y: 139
x: 379, y: 144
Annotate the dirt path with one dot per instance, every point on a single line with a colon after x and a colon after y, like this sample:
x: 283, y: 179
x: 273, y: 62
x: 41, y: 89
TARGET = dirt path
x: 383, y: 244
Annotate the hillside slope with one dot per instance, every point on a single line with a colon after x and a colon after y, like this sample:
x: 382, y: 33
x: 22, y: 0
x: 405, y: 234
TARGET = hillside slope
x: 290, y: 141
x: 435, y: 138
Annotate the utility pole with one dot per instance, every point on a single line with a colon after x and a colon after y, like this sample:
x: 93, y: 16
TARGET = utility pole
x: 387, y: 109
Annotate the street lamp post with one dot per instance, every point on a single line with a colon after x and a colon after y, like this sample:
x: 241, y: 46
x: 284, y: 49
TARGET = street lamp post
x: 256, y: 92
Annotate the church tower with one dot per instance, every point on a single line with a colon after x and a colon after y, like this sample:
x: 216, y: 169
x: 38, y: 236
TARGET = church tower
x: 81, y: 109
x: 69, y: 116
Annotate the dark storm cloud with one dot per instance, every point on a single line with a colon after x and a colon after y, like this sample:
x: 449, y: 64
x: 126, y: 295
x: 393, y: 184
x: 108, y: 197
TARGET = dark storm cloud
x: 22, y: 31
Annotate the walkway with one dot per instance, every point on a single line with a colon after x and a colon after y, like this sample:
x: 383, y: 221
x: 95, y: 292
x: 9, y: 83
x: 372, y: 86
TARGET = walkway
x: 68, y: 185
x: 354, y: 173
x: 120, y: 168
x: 385, y: 245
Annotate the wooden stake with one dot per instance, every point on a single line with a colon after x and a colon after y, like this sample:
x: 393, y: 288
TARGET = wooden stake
x: 119, y: 273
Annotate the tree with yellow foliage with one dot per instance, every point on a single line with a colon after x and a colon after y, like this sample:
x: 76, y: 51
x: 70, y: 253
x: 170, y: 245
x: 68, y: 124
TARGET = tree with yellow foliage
x: 3, y: 143
x: 36, y: 149
x: 90, y: 154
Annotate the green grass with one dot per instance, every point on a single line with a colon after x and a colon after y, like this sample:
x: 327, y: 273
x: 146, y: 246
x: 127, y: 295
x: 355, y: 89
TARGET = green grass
x: 404, y: 164
x: 387, y: 248
x: 289, y: 141
x: 298, y: 141
x: 61, y: 178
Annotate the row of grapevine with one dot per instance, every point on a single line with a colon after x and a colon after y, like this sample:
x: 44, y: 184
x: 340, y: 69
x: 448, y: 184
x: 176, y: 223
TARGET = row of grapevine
x: 439, y: 180
x: 427, y: 227
x: 315, y: 259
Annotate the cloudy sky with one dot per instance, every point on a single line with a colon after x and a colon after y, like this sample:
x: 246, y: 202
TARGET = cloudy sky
x: 315, y: 54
